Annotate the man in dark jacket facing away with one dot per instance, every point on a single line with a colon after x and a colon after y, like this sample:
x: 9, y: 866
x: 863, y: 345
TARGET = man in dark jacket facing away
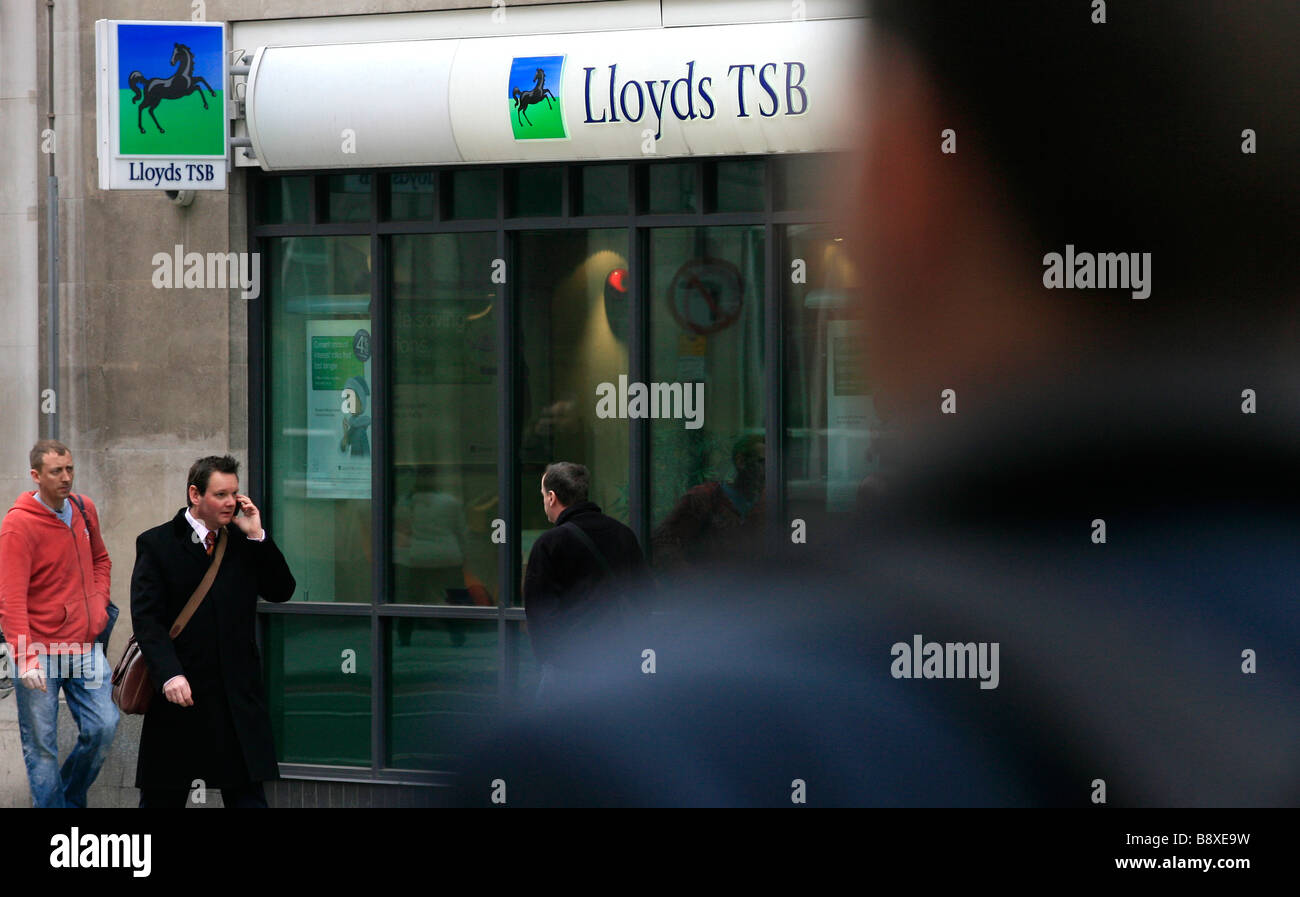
x: 578, y: 573
x: 210, y: 721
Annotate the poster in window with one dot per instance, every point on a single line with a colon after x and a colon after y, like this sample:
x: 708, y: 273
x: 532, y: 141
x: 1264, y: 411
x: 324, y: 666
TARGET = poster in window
x: 340, y: 419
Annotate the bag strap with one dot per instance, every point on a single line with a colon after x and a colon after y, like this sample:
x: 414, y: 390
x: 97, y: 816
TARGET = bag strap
x: 202, y: 591
x: 591, y: 546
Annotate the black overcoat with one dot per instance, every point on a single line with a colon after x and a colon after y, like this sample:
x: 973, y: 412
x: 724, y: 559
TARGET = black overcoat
x: 225, y: 738
x: 567, y: 592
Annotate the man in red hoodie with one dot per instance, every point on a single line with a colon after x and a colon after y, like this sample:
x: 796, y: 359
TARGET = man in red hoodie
x: 54, y: 584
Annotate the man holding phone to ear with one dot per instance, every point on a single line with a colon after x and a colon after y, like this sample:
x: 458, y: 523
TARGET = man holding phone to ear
x: 210, y: 721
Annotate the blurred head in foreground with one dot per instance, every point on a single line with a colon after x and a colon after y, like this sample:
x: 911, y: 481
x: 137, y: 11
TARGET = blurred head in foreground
x: 1102, y: 534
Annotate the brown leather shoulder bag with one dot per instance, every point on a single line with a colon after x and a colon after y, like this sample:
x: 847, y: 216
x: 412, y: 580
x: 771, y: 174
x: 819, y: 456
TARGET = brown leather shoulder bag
x: 132, y: 690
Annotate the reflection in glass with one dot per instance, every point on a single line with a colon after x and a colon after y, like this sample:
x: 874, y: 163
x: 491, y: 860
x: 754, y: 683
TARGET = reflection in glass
x: 535, y: 191
x: 834, y: 438
x: 320, y: 395
x: 442, y: 690
x: 473, y: 193
x: 573, y: 320
x: 444, y: 420
x: 349, y: 197
x: 804, y: 180
x: 411, y: 195
x: 283, y: 200
x: 604, y: 190
x: 672, y: 188
x: 706, y: 324
x: 740, y: 185
x: 318, y: 682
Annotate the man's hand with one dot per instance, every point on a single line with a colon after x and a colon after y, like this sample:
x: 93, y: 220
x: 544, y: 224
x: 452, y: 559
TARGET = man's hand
x: 34, y: 678
x: 249, y: 519
x: 177, y: 690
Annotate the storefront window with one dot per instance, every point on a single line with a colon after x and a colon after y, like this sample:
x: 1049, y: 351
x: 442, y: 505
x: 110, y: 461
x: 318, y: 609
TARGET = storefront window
x: 708, y: 457
x: 349, y: 198
x: 834, y: 437
x: 284, y: 200
x: 573, y: 327
x: 442, y: 689
x: 535, y: 191
x: 473, y: 193
x: 672, y: 188
x: 445, y: 312
x: 321, y: 396
x: 739, y: 185
x: 445, y: 644
x: 318, y: 682
x: 603, y: 189
x: 411, y: 195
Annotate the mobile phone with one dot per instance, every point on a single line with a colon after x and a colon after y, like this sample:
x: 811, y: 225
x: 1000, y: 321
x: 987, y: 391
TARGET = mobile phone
x: 238, y: 507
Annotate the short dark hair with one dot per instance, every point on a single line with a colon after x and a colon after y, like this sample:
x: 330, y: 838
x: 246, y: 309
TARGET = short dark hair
x: 46, y: 447
x: 568, y: 481
x: 201, y: 471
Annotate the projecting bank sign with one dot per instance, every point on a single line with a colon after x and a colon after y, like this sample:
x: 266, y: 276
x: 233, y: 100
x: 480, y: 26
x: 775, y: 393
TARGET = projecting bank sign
x: 731, y: 89
x: 161, y: 105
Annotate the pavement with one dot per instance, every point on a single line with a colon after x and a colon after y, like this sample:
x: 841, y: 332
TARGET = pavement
x: 115, y: 784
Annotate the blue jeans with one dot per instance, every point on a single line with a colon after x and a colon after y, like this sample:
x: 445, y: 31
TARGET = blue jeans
x: 87, y: 685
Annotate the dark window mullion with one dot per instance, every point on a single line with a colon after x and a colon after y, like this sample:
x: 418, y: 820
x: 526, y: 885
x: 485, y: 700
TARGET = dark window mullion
x: 380, y: 488
x: 774, y: 368
x: 507, y: 467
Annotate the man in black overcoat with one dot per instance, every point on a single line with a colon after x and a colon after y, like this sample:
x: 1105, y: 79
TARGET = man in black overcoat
x: 578, y: 576
x: 209, y: 720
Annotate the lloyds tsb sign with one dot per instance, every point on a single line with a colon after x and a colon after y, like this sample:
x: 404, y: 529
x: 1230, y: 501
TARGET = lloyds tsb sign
x: 756, y: 89
x: 161, y: 105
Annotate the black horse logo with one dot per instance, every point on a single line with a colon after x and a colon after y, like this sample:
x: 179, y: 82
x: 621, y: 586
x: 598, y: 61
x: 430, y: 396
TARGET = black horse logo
x: 526, y: 98
x: 182, y: 83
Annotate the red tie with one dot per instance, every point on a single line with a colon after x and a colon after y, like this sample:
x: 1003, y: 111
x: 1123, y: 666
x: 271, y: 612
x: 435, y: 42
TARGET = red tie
x: 209, y: 540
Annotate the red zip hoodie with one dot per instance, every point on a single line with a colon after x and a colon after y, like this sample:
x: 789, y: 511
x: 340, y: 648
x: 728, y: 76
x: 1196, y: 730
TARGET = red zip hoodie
x: 54, y: 580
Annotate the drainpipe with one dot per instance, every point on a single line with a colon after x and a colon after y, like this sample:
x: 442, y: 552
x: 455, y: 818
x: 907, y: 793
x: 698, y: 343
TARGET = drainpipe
x: 52, y: 236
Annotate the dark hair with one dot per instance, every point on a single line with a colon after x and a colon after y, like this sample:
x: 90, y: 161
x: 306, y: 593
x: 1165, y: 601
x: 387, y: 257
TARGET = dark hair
x: 46, y: 447
x: 568, y: 481
x: 202, y: 471
x: 1128, y: 136
x: 745, y: 450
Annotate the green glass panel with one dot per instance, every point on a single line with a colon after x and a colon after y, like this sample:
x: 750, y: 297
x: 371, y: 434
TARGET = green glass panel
x: 411, y: 195
x: 442, y: 689
x: 283, y: 200
x: 349, y: 198
x: 604, y: 190
x: 708, y: 458
x: 673, y: 188
x: 473, y: 193
x: 445, y: 491
x: 572, y: 338
x: 809, y: 181
x: 320, y: 396
x: 834, y: 438
x: 740, y: 185
x: 535, y: 191
x: 318, y: 684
